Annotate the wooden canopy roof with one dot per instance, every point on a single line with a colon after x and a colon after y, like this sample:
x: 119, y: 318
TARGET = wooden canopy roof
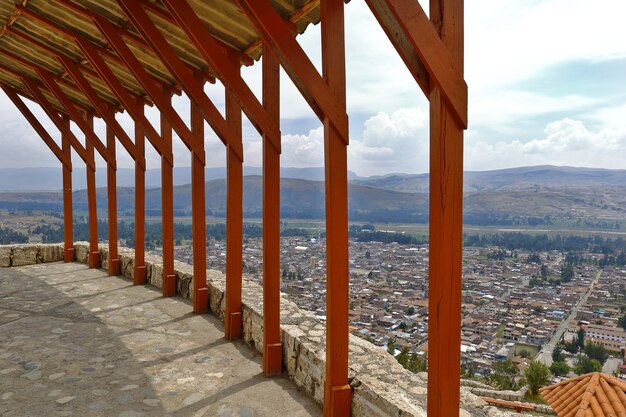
x: 590, y: 395
x: 34, y: 33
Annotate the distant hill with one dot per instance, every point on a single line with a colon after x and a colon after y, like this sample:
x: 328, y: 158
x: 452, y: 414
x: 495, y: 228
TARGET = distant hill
x: 545, y: 176
x: 50, y: 179
x: 518, y: 196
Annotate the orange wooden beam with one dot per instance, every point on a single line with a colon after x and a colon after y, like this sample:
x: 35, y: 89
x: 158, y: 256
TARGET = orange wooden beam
x: 41, y: 131
x: 151, y: 87
x: 18, y: 74
x: 163, y: 14
x: 122, y: 30
x: 445, y: 226
x: 102, y: 108
x: 131, y: 103
x: 84, y: 68
x: 336, y: 387
x: 139, y: 276
x: 272, y: 348
x: 29, y: 64
x: 216, y: 57
x: 278, y: 34
x: 76, y: 116
x: 94, y: 255
x: 68, y: 216
x: 70, y: 34
x: 167, y: 212
x: 433, y: 53
x: 233, y: 321
x: 198, y: 216
x: 114, y: 260
x: 193, y: 85
x: 52, y: 114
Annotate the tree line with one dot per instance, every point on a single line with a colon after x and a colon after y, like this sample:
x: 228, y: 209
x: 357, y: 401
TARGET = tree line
x: 153, y: 235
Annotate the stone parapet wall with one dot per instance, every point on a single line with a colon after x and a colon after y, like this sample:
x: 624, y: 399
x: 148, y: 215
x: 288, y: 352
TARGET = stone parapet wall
x: 381, y: 387
x: 28, y: 254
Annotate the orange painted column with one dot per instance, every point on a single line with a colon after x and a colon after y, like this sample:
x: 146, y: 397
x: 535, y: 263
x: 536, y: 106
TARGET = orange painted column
x: 198, y: 216
x: 446, y: 227
x: 139, y: 277
x: 114, y: 260
x: 167, y: 209
x: 68, y: 216
x: 336, y: 388
x: 234, y: 220
x: 272, y: 349
x: 94, y: 255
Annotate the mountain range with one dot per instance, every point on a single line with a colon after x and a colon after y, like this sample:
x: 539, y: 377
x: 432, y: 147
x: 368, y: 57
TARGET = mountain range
x: 525, y: 196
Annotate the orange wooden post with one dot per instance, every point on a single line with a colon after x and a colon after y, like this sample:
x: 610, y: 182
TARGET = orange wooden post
x: 114, y: 260
x: 336, y: 389
x: 140, y: 205
x: 272, y: 350
x: 446, y: 226
x: 167, y: 209
x: 198, y: 214
x: 234, y: 220
x: 94, y: 255
x: 68, y: 216
x: 63, y: 154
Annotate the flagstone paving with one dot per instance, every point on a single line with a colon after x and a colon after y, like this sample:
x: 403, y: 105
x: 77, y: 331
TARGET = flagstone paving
x: 75, y: 342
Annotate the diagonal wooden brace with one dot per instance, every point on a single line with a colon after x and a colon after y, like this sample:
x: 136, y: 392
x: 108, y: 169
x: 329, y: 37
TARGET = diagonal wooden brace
x: 434, y: 55
x: 277, y: 33
x: 216, y: 57
x: 56, y: 119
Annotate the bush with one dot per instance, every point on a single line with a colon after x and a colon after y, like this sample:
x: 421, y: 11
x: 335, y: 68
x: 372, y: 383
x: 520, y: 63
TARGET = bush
x: 536, y: 375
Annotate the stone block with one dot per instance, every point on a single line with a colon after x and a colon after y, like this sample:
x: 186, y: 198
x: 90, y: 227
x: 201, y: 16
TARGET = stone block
x: 127, y: 265
x: 6, y: 253
x: 184, y: 282
x: 216, y: 301
x: 25, y: 255
x: 50, y: 252
x: 156, y: 275
x: 81, y: 252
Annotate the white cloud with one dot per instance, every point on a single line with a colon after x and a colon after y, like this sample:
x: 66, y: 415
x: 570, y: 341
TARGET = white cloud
x: 396, y: 142
x: 303, y: 150
x: 507, y: 42
x: 566, y: 142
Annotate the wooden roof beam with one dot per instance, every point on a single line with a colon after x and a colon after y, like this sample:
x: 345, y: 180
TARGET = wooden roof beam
x: 132, y: 106
x: 58, y: 122
x: 20, y: 75
x: 71, y: 35
x: 410, y: 18
x: 216, y: 57
x: 219, y: 61
x: 165, y: 15
x: 32, y: 119
x: 152, y: 88
x: 105, y: 111
x: 34, y: 67
x: 277, y: 33
x: 84, y: 68
x: 122, y: 30
x: 80, y: 121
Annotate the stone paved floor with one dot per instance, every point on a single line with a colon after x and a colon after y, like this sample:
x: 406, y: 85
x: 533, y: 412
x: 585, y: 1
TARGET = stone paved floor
x: 75, y: 342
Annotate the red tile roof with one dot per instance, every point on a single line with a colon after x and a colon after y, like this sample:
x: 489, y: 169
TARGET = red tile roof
x: 589, y: 395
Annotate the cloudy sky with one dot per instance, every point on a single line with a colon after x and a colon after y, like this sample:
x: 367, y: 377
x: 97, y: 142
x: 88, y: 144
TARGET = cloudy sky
x: 546, y: 82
